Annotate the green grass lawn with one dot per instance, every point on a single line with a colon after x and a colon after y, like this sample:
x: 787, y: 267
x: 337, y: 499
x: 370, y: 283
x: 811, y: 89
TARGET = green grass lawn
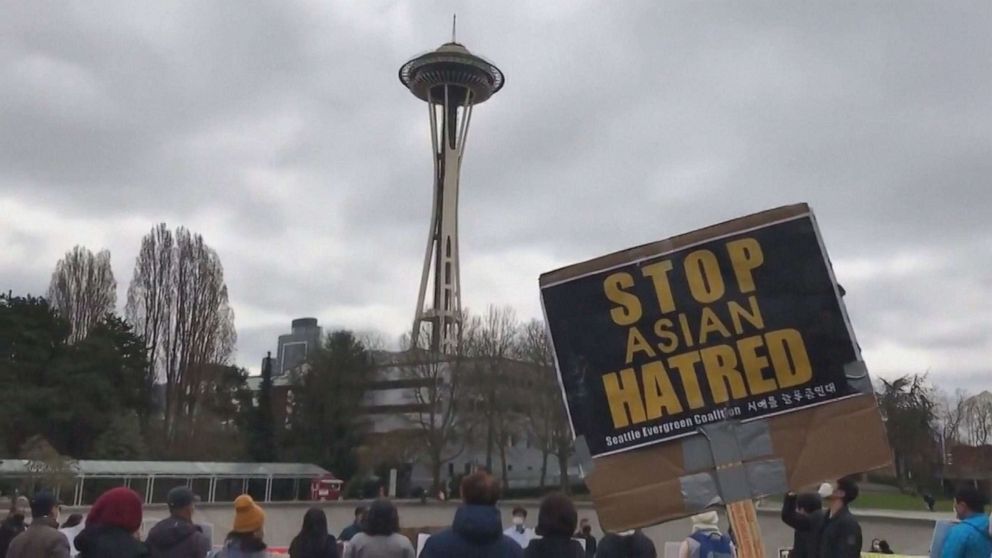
x: 897, y: 501
x: 891, y: 501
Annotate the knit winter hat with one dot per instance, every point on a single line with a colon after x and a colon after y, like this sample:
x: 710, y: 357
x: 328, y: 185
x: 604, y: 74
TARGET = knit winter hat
x: 118, y: 507
x: 706, y: 521
x: 248, y: 516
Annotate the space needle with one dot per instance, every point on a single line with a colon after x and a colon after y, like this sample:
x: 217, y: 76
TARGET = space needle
x: 451, y: 80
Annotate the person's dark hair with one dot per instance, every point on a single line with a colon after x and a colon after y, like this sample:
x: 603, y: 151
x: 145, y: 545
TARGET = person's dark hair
x: 382, y: 519
x: 809, y: 502
x: 361, y: 511
x: 629, y: 543
x: 850, y: 488
x: 520, y: 511
x: 43, y: 504
x: 246, y: 542
x: 74, y: 520
x: 970, y: 497
x: 313, y: 537
x: 480, y: 489
x: 557, y: 517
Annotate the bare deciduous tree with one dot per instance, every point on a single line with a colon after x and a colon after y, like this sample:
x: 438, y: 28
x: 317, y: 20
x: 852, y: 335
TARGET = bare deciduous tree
x: 46, y: 467
x: 83, y: 290
x: 438, y: 385
x: 178, y: 300
x: 951, y: 412
x: 497, y: 390
x: 375, y: 340
x: 978, y: 418
x: 150, y: 297
x: 549, y: 419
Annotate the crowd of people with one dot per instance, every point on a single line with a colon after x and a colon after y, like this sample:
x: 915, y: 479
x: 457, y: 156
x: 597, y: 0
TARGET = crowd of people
x: 823, y: 524
x: 834, y: 532
x: 112, y: 529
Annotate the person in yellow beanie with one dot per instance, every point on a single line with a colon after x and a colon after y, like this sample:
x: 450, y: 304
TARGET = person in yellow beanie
x: 246, y: 539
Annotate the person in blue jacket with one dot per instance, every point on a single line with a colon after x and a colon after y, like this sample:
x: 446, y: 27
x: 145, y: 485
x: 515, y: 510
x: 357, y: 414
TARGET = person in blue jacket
x: 477, y: 531
x: 970, y: 537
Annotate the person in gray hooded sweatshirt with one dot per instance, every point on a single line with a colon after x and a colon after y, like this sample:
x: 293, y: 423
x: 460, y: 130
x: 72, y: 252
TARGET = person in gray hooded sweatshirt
x: 177, y: 536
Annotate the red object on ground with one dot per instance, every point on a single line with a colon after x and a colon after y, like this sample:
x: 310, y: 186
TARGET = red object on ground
x: 326, y: 487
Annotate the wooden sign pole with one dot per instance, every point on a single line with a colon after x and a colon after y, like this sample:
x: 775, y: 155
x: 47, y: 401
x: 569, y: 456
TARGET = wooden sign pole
x: 744, y: 519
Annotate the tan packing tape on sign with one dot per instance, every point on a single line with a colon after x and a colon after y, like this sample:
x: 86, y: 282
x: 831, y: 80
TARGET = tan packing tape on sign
x: 642, y: 487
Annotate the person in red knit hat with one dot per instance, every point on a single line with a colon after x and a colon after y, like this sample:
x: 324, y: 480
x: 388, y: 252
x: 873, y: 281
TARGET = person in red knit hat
x: 113, y: 527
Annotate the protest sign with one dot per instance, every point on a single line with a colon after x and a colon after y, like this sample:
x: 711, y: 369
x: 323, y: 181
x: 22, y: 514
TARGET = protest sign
x: 742, y: 326
x: 421, y: 542
x: 940, y: 530
x: 737, y: 331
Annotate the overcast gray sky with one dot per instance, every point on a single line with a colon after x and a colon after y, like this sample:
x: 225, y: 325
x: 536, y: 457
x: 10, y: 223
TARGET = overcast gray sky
x: 280, y: 132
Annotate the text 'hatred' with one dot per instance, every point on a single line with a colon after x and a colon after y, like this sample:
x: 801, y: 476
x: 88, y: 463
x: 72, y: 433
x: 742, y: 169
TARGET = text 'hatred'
x: 718, y: 352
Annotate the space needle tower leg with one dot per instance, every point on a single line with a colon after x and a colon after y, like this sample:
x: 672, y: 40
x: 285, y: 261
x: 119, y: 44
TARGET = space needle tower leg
x: 441, y: 273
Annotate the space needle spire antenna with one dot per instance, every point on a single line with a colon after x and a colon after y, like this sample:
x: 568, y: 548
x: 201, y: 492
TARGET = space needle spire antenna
x: 451, y: 80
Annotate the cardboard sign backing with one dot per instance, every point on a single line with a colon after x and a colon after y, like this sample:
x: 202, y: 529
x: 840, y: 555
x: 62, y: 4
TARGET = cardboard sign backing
x: 762, y: 319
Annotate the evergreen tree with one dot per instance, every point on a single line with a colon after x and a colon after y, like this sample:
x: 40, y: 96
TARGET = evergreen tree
x: 121, y: 440
x: 326, y: 423
x: 262, y: 434
x: 66, y: 393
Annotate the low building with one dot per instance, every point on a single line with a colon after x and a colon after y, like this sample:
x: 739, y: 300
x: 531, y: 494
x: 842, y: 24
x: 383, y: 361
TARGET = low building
x: 969, y: 465
x: 212, y: 481
x: 397, y: 412
x: 397, y: 409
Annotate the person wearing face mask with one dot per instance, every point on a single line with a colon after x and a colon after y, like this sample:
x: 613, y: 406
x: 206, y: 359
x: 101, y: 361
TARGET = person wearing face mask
x: 585, y: 533
x: 840, y: 533
x: 519, y: 531
x: 969, y: 537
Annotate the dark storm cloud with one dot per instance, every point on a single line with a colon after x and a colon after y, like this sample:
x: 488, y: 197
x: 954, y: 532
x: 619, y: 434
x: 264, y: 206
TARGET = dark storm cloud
x: 279, y: 131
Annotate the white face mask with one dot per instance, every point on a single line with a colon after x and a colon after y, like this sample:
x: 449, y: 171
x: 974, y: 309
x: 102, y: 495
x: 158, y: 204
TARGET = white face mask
x: 517, y: 520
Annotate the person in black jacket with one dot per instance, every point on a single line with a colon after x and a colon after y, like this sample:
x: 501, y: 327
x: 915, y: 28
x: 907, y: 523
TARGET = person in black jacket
x: 805, y: 515
x: 12, y: 526
x: 556, y: 523
x: 585, y: 533
x: 356, y: 527
x: 627, y: 544
x: 177, y: 536
x: 112, y: 526
x: 313, y: 540
x: 840, y: 535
